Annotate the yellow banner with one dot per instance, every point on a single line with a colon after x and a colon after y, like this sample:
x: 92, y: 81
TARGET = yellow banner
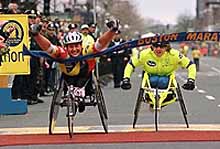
x: 14, y: 62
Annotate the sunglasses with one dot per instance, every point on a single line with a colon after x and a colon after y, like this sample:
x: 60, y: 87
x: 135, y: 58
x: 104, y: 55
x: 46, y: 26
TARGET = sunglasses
x: 159, y: 45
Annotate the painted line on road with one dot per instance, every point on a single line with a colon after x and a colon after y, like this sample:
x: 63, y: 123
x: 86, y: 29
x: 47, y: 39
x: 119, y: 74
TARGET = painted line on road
x: 210, y: 97
x: 111, y: 128
x: 215, y: 69
x: 201, y: 91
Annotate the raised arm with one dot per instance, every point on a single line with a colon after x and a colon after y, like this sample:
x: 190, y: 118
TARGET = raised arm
x: 42, y: 41
x: 107, y: 37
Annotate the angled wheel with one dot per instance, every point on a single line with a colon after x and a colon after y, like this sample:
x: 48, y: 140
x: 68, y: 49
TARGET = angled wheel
x: 102, y: 108
x: 182, y: 104
x: 55, y: 105
x: 71, y: 112
x: 138, y: 106
x: 100, y: 103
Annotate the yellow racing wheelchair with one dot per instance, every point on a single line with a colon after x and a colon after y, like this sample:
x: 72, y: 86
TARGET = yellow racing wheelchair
x: 158, y: 98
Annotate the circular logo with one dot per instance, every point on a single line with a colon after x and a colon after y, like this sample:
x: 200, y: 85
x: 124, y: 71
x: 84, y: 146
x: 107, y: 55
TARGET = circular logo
x: 16, y: 35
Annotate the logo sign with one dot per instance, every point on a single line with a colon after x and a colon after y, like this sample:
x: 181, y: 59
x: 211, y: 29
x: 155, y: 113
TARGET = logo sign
x: 14, y: 61
x: 16, y: 36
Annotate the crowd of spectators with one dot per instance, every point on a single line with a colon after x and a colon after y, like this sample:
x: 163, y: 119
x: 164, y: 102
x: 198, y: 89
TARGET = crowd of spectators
x: 44, y: 73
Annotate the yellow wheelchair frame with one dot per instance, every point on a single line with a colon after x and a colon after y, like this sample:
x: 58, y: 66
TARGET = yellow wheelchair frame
x: 157, y: 97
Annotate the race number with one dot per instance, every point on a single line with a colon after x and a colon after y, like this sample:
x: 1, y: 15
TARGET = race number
x: 79, y: 92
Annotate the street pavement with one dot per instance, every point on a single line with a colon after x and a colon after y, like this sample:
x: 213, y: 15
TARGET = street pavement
x: 203, y: 105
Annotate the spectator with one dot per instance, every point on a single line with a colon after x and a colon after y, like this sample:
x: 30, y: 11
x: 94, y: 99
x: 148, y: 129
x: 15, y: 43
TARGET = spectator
x: 25, y: 86
x: 12, y: 8
x: 92, y: 31
x: 87, y: 39
x: 118, y: 59
x: 184, y: 49
x: 72, y: 27
x: 196, y: 54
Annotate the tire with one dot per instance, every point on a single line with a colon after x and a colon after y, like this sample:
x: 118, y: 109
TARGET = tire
x: 182, y: 104
x: 71, y: 112
x: 54, y: 108
x: 138, y: 106
x: 156, y: 113
x: 102, y: 108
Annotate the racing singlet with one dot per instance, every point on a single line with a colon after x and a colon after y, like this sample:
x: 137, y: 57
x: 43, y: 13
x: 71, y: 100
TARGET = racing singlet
x: 76, y: 68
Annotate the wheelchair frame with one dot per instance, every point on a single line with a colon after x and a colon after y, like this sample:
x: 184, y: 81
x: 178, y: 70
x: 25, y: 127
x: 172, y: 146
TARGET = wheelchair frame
x: 157, y: 100
x: 72, y: 103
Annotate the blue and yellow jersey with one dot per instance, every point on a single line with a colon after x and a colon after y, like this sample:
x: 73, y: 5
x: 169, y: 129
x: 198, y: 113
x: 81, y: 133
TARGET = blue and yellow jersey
x: 165, y: 65
x: 75, y: 68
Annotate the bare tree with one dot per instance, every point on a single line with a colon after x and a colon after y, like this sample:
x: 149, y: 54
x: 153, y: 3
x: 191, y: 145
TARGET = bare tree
x: 131, y: 21
x: 184, y: 22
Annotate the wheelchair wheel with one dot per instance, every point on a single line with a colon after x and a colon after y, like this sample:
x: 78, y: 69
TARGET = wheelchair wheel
x: 55, y: 105
x: 156, y: 113
x: 102, y: 108
x: 138, y: 106
x: 71, y: 112
x: 182, y: 104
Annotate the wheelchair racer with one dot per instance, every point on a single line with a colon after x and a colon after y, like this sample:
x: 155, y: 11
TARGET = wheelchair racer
x: 76, y: 73
x: 159, y: 61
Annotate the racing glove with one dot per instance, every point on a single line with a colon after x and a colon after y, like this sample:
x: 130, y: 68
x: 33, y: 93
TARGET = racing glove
x: 35, y: 29
x: 126, y: 85
x: 189, y: 85
x: 113, y: 25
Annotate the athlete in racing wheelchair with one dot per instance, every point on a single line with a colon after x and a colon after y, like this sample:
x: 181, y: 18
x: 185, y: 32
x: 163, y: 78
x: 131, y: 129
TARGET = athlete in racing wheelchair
x: 74, y: 74
x: 159, y: 86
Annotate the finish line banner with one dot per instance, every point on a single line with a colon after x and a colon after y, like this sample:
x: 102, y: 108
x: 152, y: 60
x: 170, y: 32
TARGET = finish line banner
x: 174, y: 37
x: 14, y: 62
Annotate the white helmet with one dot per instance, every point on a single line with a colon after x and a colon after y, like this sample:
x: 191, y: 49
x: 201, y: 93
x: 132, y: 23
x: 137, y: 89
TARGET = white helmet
x: 150, y: 34
x: 74, y: 37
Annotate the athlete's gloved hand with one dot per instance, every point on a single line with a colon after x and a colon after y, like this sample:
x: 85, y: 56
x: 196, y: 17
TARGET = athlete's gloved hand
x: 113, y: 24
x: 189, y: 85
x: 35, y: 29
x: 126, y: 85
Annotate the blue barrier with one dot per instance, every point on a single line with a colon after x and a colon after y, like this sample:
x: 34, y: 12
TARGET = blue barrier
x: 9, y: 106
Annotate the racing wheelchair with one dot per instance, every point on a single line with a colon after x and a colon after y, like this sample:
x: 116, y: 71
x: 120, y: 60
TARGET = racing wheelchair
x: 158, y: 98
x: 73, y: 97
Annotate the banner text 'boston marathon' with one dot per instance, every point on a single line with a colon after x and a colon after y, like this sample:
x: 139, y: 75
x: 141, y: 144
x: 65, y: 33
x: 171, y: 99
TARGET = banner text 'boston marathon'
x: 177, y: 37
x: 174, y: 37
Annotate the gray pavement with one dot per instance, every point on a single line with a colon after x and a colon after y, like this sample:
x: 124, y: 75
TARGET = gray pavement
x: 164, y: 145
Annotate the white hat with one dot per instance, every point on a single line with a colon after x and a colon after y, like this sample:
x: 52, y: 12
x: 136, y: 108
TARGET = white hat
x: 84, y: 26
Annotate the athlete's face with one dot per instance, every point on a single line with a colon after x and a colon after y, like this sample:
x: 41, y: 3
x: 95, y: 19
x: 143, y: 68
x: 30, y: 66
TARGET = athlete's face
x: 74, y: 49
x: 159, y: 50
